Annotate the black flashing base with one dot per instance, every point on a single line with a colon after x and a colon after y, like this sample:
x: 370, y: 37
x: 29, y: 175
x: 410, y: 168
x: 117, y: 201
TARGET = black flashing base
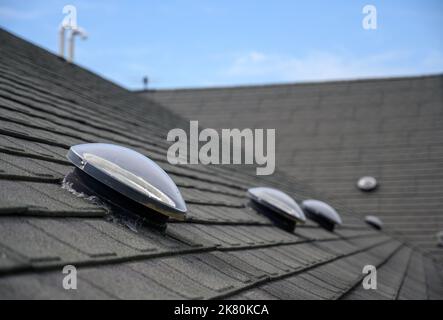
x: 276, y: 218
x: 322, y: 222
x: 373, y: 225
x: 121, y: 206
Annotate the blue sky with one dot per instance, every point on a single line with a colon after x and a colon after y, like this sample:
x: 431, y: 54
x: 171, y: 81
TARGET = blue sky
x: 198, y: 43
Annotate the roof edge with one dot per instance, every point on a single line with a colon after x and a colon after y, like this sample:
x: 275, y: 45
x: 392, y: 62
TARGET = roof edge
x: 55, y: 55
x: 301, y: 83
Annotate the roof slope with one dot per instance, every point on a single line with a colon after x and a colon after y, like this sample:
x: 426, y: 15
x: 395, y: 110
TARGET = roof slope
x: 224, y: 249
x: 330, y: 134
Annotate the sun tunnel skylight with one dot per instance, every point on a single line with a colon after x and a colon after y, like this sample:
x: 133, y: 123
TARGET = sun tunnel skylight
x: 130, y: 174
x: 374, y: 222
x: 278, y: 206
x: 322, y: 213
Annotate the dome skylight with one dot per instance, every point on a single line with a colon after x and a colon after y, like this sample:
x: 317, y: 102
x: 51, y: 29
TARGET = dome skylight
x: 322, y: 213
x: 374, y: 221
x: 130, y: 174
x: 278, y: 206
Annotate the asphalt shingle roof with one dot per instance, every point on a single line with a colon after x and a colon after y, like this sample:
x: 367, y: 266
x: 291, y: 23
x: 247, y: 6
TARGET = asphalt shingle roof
x: 224, y: 249
x: 330, y: 134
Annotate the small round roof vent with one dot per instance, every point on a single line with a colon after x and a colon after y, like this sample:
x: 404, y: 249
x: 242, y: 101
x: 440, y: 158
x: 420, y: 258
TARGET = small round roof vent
x: 374, y: 221
x: 322, y: 213
x: 367, y: 183
x: 130, y: 174
x: 278, y: 206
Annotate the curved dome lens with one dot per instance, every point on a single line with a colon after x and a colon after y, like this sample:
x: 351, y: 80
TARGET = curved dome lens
x: 322, y: 213
x: 374, y: 222
x: 278, y: 201
x: 131, y: 174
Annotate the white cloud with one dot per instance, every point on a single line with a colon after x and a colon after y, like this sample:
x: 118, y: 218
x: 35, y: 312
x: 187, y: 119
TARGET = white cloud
x: 262, y: 67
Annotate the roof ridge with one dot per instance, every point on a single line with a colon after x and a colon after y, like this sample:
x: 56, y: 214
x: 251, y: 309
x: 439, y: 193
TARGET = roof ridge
x: 292, y: 84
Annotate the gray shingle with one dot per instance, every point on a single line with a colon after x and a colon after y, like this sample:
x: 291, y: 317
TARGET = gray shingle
x: 83, y: 237
x: 47, y: 286
x: 225, y: 249
x: 30, y: 243
x: 332, y: 134
x: 202, y: 273
x: 125, y: 283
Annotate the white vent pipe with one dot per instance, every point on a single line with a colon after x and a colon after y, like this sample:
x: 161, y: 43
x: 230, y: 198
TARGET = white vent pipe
x: 75, y: 32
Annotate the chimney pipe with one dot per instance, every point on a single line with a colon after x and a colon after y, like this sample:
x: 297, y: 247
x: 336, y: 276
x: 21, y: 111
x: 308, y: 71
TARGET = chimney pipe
x: 75, y: 32
x: 71, y: 47
x: 61, y: 41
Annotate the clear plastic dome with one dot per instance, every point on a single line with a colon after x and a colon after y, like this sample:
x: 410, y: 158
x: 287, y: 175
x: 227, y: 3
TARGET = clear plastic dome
x: 374, y: 221
x: 131, y: 174
x: 322, y: 210
x: 278, y: 201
